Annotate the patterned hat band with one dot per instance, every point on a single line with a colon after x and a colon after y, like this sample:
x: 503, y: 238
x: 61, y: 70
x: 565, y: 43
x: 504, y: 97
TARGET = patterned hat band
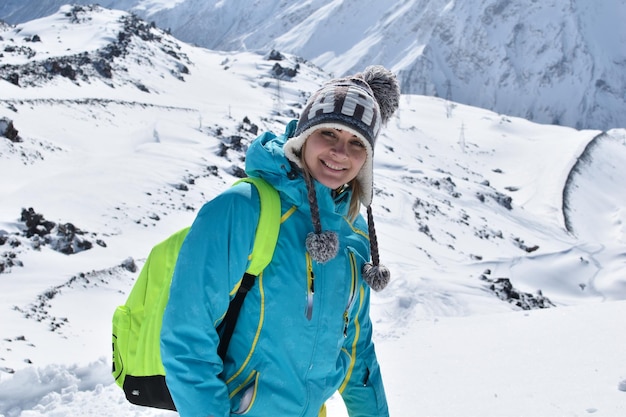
x: 351, y: 104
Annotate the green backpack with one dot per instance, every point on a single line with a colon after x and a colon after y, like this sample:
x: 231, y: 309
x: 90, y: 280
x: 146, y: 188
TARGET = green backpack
x: 137, y: 366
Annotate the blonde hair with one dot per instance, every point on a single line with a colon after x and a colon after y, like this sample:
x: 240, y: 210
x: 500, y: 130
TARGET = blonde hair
x: 355, y: 200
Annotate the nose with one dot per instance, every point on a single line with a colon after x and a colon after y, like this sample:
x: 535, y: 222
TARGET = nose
x: 340, y: 149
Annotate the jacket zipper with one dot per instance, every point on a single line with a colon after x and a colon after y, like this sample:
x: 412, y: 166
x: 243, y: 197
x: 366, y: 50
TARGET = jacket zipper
x: 346, y: 318
x: 310, y: 287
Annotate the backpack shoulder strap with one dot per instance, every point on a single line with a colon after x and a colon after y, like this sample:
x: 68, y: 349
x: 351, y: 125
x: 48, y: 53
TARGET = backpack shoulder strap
x: 268, y: 227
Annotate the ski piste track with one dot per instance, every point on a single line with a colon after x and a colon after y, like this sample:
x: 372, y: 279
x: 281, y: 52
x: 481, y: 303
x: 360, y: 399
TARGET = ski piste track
x: 586, y: 157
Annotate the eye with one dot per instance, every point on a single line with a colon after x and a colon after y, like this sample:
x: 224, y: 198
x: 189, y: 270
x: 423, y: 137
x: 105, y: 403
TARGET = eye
x: 357, y: 143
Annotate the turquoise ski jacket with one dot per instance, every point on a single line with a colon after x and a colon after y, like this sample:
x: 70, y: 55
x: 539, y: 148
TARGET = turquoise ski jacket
x: 304, y: 331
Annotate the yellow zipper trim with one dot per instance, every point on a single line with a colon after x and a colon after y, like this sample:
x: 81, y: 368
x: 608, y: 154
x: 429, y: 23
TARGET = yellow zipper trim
x: 357, y: 328
x: 253, y: 374
x: 258, y: 331
x: 288, y: 214
x: 353, y: 280
x: 357, y: 230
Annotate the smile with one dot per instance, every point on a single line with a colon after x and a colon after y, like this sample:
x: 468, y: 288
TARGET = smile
x: 333, y: 167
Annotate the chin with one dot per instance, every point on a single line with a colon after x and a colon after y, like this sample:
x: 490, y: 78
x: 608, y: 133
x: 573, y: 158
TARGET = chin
x: 333, y: 185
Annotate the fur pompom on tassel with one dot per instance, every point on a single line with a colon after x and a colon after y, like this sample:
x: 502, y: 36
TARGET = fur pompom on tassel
x: 376, y: 276
x: 322, y: 246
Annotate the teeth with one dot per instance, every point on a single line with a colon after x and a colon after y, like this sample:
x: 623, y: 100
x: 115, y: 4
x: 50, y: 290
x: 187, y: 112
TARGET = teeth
x: 336, y: 168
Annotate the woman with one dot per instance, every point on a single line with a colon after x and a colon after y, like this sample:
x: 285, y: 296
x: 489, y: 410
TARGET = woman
x: 304, y: 331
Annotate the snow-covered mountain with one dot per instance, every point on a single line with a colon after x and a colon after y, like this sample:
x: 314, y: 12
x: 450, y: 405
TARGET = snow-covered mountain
x: 551, y: 61
x: 505, y: 237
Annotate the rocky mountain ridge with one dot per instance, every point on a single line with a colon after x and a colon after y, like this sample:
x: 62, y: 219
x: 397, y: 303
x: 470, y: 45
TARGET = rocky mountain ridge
x: 549, y: 62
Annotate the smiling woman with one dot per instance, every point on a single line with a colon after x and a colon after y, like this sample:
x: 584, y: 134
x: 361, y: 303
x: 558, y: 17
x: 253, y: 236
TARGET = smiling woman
x: 288, y: 353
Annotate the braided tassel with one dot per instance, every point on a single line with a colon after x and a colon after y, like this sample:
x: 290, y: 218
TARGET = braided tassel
x: 376, y: 275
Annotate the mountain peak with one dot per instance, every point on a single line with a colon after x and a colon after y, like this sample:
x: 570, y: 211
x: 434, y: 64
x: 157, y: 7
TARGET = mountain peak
x: 46, y: 49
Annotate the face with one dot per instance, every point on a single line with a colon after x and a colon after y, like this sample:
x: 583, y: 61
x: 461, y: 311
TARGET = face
x: 334, y: 157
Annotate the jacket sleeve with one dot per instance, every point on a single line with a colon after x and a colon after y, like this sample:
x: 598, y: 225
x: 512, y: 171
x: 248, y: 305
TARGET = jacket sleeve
x: 211, y: 262
x: 362, y: 390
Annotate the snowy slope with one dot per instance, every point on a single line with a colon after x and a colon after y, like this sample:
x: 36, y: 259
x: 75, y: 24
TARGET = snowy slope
x: 551, y: 62
x: 466, y: 201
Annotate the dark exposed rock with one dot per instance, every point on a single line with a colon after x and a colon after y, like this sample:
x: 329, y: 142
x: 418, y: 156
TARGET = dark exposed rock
x: 8, y: 131
x: 503, y: 289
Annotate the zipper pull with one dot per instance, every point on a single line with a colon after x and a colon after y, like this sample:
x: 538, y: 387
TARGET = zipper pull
x: 346, y: 320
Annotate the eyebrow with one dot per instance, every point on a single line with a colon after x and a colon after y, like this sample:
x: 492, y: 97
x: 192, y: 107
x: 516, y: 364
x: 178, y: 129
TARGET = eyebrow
x: 342, y: 130
x: 334, y: 129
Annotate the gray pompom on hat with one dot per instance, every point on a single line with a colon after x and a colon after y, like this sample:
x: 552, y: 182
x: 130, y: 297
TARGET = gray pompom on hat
x: 359, y: 104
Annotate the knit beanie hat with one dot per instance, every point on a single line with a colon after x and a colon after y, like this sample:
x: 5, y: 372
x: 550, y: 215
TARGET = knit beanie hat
x: 359, y: 104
